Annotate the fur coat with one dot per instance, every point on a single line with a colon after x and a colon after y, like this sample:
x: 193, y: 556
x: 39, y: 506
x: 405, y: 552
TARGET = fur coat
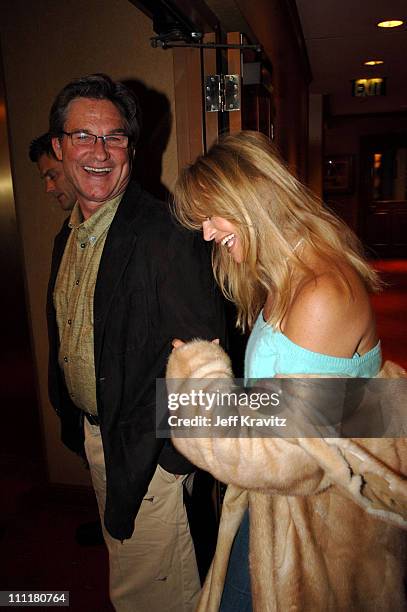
x: 326, y: 514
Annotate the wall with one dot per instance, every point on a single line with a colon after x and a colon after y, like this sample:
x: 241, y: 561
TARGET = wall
x: 273, y: 26
x: 45, y: 44
x: 342, y: 135
x: 315, y: 144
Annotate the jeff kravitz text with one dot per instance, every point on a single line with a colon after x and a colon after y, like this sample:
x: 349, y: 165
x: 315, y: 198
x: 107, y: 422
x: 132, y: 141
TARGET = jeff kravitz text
x: 234, y: 420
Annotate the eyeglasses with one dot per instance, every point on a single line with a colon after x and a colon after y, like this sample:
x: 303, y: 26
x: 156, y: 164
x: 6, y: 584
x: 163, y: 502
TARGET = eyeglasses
x: 111, y: 141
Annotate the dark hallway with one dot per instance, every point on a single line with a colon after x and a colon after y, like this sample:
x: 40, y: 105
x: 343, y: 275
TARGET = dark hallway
x: 390, y: 308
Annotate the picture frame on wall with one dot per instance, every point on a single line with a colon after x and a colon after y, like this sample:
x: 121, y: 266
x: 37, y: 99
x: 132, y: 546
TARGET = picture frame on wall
x: 338, y: 174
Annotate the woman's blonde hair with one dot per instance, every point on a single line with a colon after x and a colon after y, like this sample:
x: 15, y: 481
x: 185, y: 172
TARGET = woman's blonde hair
x: 243, y: 180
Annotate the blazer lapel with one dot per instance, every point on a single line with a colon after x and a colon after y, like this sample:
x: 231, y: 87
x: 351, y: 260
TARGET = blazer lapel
x: 57, y: 253
x: 118, y: 248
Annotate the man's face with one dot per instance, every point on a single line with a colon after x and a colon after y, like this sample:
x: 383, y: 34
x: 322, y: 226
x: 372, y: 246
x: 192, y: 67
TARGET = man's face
x: 98, y: 173
x: 52, y: 173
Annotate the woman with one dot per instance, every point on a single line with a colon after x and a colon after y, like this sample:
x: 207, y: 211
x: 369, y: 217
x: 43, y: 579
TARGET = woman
x: 300, y: 284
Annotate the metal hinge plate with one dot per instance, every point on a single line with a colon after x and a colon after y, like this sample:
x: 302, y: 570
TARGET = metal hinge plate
x: 222, y: 92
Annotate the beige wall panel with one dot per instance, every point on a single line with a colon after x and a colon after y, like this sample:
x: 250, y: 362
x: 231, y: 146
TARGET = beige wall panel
x: 45, y: 44
x: 271, y: 22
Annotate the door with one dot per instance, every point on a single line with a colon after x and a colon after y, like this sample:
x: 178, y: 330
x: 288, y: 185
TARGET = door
x: 198, y: 128
x: 384, y: 195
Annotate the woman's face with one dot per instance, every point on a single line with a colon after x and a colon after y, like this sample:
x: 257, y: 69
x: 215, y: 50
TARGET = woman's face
x: 224, y: 233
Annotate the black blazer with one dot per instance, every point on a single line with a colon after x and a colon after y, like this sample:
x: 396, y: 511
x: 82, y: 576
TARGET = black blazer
x: 154, y: 284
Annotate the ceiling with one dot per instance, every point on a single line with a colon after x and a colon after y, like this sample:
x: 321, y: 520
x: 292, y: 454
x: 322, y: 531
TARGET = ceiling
x: 340, y: 35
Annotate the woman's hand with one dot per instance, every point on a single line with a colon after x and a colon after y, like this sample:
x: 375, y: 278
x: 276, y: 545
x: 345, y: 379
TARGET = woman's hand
x: 177, y: 343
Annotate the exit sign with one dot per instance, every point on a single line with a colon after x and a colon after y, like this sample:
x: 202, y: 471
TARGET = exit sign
x: 368, y: 87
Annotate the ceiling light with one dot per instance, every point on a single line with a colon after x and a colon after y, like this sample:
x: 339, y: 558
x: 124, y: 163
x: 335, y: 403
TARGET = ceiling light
x: 394, y: 23
x: 373, y: 62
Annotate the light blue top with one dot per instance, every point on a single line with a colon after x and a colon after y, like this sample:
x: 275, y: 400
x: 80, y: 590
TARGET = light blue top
x: 269, y: 352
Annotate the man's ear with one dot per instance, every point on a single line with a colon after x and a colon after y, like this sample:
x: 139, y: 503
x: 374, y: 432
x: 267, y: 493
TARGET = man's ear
x: 56, y: 145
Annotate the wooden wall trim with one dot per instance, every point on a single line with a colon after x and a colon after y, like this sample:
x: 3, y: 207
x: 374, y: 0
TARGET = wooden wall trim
x: 188, y: 105
x: 235, y: 67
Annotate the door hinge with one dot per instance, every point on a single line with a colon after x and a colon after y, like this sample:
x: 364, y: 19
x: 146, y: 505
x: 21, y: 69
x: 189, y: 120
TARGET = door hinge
x: 222, y: 92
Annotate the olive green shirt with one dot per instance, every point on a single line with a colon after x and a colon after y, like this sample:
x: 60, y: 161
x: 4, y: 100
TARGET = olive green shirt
x: 73, y: 301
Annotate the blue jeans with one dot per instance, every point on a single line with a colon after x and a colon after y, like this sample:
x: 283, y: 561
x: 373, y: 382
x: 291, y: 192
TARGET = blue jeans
x: 237, y: 596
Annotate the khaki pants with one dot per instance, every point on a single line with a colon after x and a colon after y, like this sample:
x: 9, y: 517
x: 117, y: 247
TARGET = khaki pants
x: 155, y: 569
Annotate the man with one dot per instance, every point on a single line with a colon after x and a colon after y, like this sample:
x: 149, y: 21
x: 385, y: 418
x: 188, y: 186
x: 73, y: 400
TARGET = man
x: 52, y: 172
x: 125, y: 281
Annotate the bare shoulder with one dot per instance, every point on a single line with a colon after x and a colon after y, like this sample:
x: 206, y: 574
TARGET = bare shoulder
x: 330, y: 316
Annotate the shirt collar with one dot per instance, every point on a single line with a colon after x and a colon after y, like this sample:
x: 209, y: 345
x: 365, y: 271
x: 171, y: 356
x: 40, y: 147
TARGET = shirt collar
x: 97, y: 223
